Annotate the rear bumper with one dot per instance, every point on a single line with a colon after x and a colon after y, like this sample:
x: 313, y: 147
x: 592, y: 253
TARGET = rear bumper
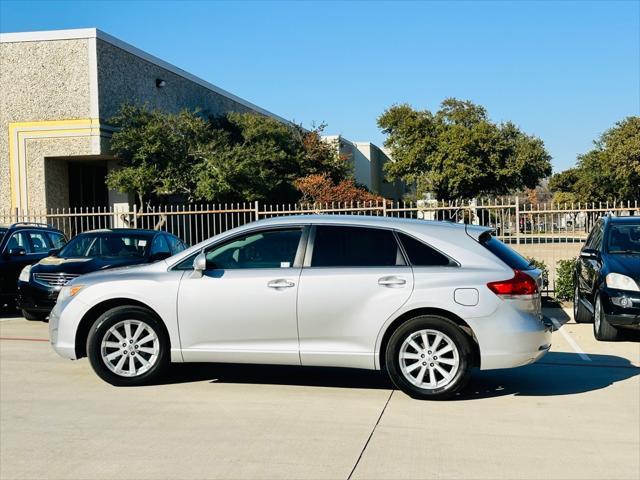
x: 511, y: 338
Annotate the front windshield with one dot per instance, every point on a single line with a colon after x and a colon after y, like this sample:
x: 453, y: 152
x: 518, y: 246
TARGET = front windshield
x: 624, y: 239
x: 2, y: 232
x: 106, y: 244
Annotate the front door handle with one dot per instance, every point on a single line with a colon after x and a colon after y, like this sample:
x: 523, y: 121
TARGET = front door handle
x: 280, y: 283
x: 392, y: 281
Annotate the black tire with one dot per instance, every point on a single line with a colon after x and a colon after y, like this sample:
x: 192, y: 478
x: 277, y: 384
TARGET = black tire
x: 602, y: 329
x: 100, y: 329
x: 34, y: 316
x: 438, y: 324
x: 580, y: 312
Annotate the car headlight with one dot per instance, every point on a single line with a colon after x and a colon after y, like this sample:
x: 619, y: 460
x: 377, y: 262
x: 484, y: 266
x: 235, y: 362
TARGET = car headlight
x: 68, y: 292
x: 24, y: 274
x: 621, y: 282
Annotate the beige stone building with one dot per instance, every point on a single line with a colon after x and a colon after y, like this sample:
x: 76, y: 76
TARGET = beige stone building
x: 58, y: 88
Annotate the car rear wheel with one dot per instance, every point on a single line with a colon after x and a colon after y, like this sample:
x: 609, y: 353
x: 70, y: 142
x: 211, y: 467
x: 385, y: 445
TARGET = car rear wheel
x: 34, y: 316
x: 127, y: 346
x: 580, y: 313
x: 602, y: 329
x: 429, y: 357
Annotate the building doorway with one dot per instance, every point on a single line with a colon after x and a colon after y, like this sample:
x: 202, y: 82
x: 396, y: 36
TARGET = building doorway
x: 87, y: 184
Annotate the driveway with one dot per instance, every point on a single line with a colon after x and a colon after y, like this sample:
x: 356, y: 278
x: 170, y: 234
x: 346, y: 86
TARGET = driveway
x: 573, y: 415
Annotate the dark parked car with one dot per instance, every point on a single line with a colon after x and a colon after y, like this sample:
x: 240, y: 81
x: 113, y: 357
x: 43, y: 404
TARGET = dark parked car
x: 607, y: 278
x: 39, y: 284
x: 23, y: 244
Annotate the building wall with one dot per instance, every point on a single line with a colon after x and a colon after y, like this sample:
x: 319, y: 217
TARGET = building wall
x: 127, y: 78
x: 42, y: 85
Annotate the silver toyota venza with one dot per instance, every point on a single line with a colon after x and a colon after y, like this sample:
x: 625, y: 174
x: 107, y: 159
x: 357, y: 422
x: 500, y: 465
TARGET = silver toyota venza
x: 424, y: 301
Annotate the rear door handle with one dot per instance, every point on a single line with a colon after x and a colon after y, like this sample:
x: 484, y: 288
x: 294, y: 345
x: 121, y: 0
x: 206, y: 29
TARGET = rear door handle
x: 280, y: 283
x: 391, y: 281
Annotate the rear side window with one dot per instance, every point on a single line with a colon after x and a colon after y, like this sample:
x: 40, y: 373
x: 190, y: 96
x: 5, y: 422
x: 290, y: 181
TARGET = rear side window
x: 505, y: 253
x: 57, y: 239
x: 38, y: 242
x: 421, y: 255
x: 355, y: 247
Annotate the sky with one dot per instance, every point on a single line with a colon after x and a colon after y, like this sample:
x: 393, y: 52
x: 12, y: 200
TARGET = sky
x: 562, y: 71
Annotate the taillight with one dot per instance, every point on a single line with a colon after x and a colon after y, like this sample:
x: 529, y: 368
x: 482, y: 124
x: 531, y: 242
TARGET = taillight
x: 520, y: 284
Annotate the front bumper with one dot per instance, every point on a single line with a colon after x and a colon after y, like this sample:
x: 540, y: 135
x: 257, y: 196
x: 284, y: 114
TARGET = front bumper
x: 36, y: 298
x: 621, y: 308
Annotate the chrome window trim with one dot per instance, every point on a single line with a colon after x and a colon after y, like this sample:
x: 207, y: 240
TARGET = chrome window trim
x: 300, y: 252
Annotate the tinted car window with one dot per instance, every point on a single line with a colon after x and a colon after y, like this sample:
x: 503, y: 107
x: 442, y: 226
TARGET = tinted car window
x: 38, y: 242
x: 57, y: 239
x: 421, y: 255
x: 267, y: 249
x: 159, y: 245
x: 175, y: 244
x: 18, y: 239
x: 504, y: 252
x: 106, y: 245
x: 624, y: 239
x: 355, y: 247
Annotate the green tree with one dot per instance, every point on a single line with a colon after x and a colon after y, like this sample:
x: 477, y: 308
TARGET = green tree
x: 610, y: 171
x: 457, y: 152
x: 157, y: 152
x: 237, y: 157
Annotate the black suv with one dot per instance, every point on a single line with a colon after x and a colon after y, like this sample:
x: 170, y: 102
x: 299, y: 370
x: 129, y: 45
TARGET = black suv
x: 607, y: 277
x: 23, y: 244
x: 39, y: 285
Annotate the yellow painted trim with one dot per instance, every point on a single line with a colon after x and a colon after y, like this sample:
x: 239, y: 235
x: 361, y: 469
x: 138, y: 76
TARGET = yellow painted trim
x: 16, y: 132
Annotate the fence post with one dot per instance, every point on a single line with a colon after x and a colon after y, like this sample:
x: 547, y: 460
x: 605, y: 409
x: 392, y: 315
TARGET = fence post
x: 256, y: 210
x: 17, y: 217
x: 384, y: 207
x: 517, y: 220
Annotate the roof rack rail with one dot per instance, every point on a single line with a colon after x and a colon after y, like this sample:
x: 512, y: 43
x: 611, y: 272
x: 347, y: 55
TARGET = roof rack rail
x: 30, y: 224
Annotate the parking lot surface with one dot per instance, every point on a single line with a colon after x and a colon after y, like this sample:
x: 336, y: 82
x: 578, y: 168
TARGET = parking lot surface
x: 573, y: 415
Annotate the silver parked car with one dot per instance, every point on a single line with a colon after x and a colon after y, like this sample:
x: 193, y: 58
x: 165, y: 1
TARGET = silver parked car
x: 424, y: 301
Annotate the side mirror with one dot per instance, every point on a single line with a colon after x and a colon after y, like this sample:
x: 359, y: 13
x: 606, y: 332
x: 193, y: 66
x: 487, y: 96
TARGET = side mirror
x: 199, y: 265
x: 54, y: 252
x: 590, y: 253
x: 17, y: 251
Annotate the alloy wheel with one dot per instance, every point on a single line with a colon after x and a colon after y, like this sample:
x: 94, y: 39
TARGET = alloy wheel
x: 596, y: 316
x: 429, y: 359
x: 130, y: 348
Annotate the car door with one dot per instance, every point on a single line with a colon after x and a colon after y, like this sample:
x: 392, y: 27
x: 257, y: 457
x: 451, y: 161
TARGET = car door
x: 17, y: 254
x: 243, y: 308
x: 590, y: 264
x: 353, y: 280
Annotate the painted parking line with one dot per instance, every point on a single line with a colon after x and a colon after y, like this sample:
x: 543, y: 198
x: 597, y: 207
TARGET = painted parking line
x: 24, y: 339
x: 570, y: 340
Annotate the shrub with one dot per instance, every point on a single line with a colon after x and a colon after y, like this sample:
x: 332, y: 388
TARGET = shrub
x: 321, y: 189
x: 564, y: 279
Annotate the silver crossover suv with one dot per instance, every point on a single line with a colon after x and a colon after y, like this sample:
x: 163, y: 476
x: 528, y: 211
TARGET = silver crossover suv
x: 424, y: 301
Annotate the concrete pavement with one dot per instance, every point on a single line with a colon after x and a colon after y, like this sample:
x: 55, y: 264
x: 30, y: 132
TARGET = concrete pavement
x: 565, y: 417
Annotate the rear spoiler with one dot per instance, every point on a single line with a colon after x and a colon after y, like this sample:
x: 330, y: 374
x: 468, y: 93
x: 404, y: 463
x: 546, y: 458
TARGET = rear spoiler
x: 477, y: 231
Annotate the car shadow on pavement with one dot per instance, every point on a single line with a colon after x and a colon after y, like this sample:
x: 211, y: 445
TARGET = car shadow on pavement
x: 558, y: 373
x: 276, y: 375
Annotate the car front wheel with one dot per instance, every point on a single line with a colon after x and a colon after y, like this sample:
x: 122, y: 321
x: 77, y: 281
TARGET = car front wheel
x: 580, y: 313
x: 429, y: 357
x: 127, y: 346
x: 602, y: 329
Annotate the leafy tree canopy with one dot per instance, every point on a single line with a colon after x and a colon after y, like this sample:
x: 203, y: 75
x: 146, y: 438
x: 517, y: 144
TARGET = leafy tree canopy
x: 608, y: 172
x: 458, y: 153
x: 237, y: 157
